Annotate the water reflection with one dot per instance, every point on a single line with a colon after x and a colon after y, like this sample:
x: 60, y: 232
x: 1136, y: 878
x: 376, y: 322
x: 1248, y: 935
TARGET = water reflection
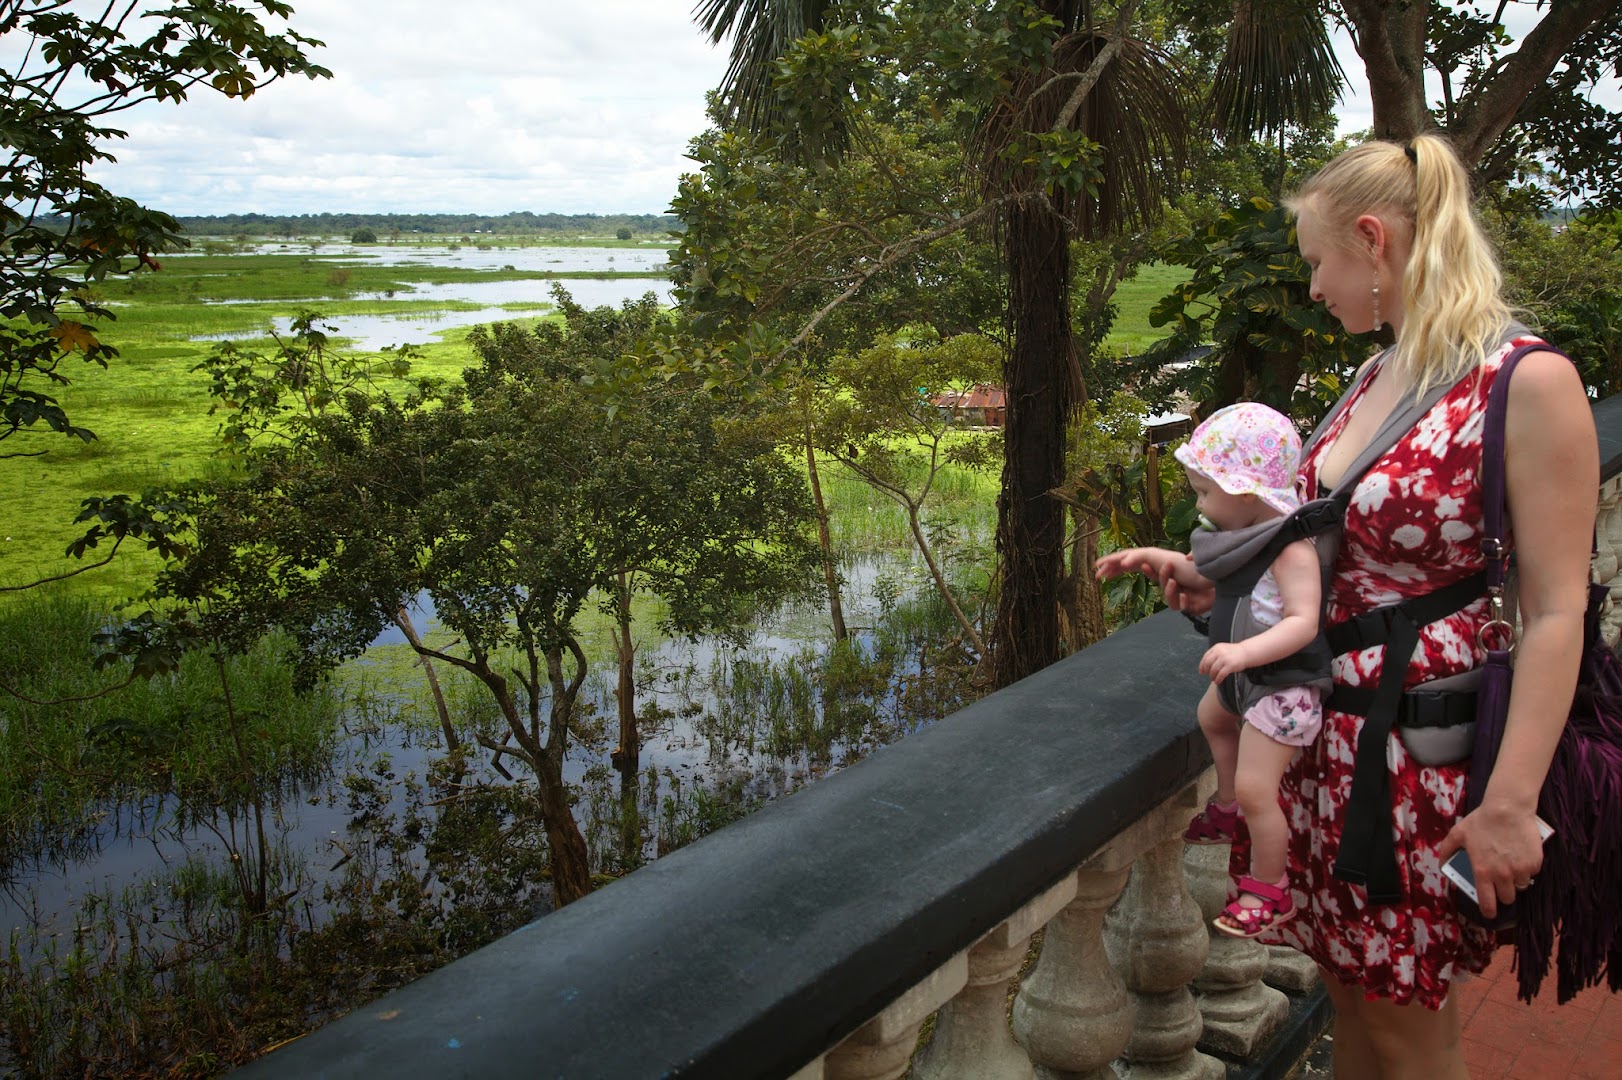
x: 372, y: 332
x: 369, y: 333
x: 710, y: 711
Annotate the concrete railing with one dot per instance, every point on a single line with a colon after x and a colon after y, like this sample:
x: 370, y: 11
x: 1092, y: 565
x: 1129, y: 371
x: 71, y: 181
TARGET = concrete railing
x: 816, y: 937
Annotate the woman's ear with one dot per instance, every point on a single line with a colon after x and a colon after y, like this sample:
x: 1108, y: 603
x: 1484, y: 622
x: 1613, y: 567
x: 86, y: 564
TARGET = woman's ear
x: 1370, y: 232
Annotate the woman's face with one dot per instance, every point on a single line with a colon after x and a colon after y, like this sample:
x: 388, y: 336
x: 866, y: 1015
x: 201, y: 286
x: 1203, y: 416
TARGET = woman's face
x: 1343, y: 275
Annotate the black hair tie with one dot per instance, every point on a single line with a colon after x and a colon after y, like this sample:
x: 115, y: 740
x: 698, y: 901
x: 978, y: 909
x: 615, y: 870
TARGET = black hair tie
x: 1408, y: 148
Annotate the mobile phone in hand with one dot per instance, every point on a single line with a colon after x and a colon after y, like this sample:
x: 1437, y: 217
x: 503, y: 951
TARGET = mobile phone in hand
x: 1458, y: 870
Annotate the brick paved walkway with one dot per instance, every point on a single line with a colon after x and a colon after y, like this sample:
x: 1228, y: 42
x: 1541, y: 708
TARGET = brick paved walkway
x: 1505, y: 1039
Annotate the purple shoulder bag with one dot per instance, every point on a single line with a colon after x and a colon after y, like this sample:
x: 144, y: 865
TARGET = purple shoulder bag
x: 1577, y: 895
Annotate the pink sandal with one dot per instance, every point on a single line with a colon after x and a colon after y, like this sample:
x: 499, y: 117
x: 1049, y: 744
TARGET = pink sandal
x: 1213, y: 825
x: 1276, y: 908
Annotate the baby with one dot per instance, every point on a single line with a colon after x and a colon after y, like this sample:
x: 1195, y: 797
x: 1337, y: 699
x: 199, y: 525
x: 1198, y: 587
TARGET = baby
x: 1267, y: 663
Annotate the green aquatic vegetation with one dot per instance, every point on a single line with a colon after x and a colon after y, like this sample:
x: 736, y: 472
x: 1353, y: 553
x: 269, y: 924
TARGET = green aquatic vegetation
x: 190, y: 279
x: 176, y: 976
x: 61, y: 763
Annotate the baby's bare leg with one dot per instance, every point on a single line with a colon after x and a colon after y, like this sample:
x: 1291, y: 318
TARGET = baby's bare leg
x: 1221, y: 729
x: 1261, y: 765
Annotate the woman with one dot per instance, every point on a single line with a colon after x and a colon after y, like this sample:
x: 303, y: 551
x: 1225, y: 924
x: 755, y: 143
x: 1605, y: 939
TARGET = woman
x: 1389, y: 234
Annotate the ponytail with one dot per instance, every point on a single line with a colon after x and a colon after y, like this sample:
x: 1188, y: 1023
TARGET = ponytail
x: 1453, y: 315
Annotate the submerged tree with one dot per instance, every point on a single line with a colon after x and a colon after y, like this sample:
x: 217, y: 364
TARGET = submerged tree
x: 1077, y: 128
x: 882, y: 424
x: 804, y: 263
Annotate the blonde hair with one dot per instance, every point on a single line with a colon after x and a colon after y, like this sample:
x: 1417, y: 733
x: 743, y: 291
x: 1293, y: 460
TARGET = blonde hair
x: 1453, y: 315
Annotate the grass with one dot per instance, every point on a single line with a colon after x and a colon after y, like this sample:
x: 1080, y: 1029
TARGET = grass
x: 217, y: 245
x: 1135, y: 298
x: 150, y: 410
x: 59, y: 762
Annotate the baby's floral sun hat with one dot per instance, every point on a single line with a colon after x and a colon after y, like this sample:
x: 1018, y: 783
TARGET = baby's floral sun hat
x: 1247, y: 449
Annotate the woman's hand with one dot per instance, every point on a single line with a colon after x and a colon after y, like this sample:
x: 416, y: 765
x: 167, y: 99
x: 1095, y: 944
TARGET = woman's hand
x: 1506, y: 851
x: 1191, y: 598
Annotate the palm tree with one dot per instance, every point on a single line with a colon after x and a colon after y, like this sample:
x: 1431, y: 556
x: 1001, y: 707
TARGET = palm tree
x: 1095, y: 81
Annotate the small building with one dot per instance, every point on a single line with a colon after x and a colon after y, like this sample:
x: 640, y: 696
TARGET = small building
x: 982, y: 404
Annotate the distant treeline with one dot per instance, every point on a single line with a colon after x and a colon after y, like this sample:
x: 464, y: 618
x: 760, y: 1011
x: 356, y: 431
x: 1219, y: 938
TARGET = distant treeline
x: 645, y: 225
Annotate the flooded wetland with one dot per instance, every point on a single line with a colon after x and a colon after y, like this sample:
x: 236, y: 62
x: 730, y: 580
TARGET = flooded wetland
x: 212, y: 847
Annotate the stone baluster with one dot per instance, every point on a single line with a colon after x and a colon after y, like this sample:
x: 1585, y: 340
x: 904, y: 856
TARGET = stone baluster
x: 881, y: 1048
x: 1240, y: 1011
x: 972, y: 1040
x: 1608, y: 560
x: 1073, y: 1014
x: 1157, y: 939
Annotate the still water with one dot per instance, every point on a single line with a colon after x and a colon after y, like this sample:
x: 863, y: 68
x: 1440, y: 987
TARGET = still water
x: 677, y: 682
x: 369, y: 333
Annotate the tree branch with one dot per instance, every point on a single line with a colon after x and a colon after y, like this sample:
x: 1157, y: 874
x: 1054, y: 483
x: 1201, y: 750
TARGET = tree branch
x: 1488, y: 110
x: 891, y: 255
x: 1095, y: 70
x: 64, y: 577
x: 68, y: 700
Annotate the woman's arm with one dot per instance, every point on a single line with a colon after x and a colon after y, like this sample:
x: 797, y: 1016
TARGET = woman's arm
x: 1551, y: 473
x: 1300, y: 586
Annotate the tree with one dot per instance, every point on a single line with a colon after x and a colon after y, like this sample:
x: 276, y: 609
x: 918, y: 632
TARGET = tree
x: 363, y: 235
x: 1510, y: 114
x: 62, y: 231
x: 880, y: 418
x: 1079, y: 126
x: 514, y: 503
x: 623, y: 233
x: 799, y: 264
x: 1502, y: 101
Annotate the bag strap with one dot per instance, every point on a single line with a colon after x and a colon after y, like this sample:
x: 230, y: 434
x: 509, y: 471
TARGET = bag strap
x: 1367, y: 856
x: 1495, y: 550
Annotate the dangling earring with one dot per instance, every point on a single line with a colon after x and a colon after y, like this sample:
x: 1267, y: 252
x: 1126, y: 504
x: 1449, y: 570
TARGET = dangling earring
x: 1378, y: 322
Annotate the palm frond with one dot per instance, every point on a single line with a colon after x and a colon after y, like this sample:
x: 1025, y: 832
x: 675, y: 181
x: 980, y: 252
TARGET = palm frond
x: 1137, y: 112
x: 1278, y: 68
x: 761, y: 31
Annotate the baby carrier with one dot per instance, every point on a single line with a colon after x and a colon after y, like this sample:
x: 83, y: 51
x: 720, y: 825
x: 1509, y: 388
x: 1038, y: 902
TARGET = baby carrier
x: 1235, y: 560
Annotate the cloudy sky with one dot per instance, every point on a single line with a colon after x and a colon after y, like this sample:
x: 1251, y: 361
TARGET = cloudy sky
x: 481, y: 106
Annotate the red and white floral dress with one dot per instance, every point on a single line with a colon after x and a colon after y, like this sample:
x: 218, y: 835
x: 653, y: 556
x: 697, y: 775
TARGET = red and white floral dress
x: 1414, y: 525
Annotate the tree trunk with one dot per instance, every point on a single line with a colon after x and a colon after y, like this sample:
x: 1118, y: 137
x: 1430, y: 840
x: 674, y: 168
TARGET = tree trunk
x: 571, y: 864
x: 1390, y: 37
x: 627, y: 755
x: 1086, y: 600
x: 409, y: 629
x: 1039, y: 393
x: 830, y: 572
x: 941, y: 587
x: 570, y: 861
